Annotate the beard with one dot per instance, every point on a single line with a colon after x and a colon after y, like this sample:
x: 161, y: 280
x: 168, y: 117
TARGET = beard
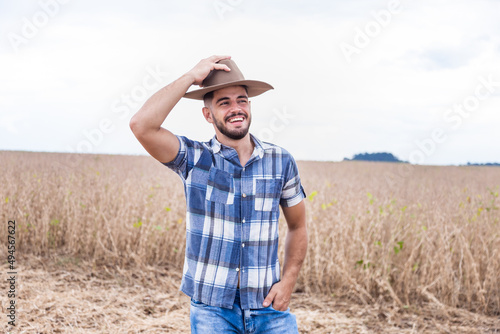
x: 235, y: 134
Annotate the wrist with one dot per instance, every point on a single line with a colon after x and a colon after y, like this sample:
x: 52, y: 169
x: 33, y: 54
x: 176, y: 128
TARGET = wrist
x: 289, y: 280
x: 188, y: 78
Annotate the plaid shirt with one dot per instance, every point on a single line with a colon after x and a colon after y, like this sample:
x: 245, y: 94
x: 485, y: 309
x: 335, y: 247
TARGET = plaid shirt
x: 232, y: 219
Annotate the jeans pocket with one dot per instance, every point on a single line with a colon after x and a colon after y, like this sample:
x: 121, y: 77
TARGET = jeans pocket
x: 275, y: 310
x: 197, y: 303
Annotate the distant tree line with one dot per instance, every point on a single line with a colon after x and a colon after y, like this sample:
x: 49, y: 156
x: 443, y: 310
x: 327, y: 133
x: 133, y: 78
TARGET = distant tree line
x: 486, y: 164
x: 380, y: 156
x: 389, y: 157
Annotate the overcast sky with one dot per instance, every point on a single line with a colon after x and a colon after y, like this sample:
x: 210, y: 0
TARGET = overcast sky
x: 419, y: 79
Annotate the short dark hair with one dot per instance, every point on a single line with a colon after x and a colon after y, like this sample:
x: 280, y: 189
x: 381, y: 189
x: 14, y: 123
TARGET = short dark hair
x: 207, y: 99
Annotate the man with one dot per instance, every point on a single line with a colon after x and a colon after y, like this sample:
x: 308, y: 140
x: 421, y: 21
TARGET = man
x: 234, y: 185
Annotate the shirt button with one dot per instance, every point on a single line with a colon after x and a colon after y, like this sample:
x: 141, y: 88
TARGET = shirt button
x: 243, y: 245
x: 243, y: 220
x: 244, y: 195
x: 237, y: 269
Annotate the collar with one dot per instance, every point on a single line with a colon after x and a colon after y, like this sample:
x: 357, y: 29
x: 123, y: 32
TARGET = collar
x: 228, y: 151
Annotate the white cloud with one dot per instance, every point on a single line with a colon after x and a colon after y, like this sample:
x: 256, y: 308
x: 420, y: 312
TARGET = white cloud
x: 394, y: 92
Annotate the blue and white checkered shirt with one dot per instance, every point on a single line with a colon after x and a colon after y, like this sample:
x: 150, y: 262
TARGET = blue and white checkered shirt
x: 232, y: 219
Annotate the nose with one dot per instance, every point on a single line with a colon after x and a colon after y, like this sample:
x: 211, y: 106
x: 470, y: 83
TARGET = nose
x: 234, y: 107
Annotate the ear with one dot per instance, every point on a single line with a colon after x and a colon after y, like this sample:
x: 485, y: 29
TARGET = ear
x: 207, y: 114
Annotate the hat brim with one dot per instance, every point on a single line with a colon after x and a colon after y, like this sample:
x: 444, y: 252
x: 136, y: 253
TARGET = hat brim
x: 254, y: 88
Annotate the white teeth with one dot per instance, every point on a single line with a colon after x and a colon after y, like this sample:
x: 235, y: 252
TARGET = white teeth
x: 236, y: 119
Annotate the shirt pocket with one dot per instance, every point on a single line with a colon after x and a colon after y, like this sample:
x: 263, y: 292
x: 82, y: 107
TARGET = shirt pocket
x: 220, y: 187
x: 267, y: 194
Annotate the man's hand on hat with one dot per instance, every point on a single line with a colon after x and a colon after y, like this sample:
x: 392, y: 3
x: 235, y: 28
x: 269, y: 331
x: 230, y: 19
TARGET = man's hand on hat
x: 203, y: 68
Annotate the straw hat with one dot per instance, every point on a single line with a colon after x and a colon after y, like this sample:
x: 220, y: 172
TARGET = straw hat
x: 218, y: 79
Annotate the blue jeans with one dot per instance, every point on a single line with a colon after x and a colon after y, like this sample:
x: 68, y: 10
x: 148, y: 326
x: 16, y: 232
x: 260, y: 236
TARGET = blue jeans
x: 206, y: 319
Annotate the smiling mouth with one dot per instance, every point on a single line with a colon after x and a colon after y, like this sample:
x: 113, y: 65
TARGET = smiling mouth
x: 236, y: 119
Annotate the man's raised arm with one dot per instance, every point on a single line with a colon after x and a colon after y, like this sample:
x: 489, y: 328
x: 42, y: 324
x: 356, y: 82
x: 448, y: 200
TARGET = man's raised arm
x: 146, y: 123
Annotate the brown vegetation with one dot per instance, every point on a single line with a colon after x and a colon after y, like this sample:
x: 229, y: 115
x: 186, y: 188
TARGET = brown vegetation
x: 388, y: 237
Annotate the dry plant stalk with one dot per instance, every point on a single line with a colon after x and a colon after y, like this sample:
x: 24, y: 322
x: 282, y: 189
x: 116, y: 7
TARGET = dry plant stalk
x: 383, y: 233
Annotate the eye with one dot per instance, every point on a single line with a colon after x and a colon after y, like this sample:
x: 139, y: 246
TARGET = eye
x: 224, y: 103
x: 242, y: 101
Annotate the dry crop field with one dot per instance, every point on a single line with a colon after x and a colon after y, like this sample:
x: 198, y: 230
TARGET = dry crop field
x: 394, y: 248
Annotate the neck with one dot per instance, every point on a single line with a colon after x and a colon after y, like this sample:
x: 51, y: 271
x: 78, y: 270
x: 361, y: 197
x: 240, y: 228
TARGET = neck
x: 244, y: 146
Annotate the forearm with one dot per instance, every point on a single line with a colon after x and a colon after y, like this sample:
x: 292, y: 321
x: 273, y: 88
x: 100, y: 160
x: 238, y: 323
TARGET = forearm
x: 295, y: 253
x: 156, y: 109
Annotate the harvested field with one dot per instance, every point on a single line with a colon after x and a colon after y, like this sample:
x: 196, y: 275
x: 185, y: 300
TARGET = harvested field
x: 393, y: 248
x: 66, y: 295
